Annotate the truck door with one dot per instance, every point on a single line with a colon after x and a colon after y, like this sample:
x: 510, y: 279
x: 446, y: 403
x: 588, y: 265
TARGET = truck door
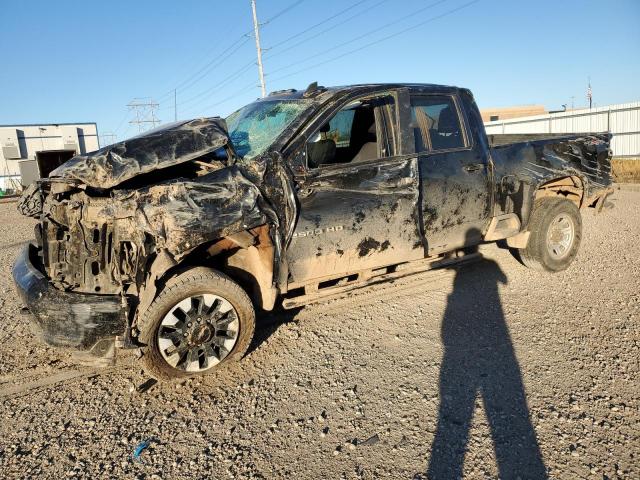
x: 454, y: 173
x: 357, y: 198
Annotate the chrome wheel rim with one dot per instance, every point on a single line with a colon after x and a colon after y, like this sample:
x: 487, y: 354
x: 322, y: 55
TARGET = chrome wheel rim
x: 198, y: 332
x: 560, y: 236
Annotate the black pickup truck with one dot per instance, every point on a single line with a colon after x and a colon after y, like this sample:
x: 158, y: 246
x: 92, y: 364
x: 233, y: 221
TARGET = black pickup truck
x: 171, y: 241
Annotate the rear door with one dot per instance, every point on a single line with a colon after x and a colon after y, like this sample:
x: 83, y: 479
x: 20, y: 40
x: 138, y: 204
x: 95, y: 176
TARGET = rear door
x: 357, y: 206
x: 454, y: 173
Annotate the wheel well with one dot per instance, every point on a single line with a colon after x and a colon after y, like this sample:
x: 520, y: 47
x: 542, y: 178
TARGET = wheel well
x: 570, y: 187
x: 246, y: 257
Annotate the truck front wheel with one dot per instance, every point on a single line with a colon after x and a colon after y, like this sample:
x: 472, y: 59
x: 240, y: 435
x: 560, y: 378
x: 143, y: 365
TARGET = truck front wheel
x: 200, y: 320
x: 556, y: 230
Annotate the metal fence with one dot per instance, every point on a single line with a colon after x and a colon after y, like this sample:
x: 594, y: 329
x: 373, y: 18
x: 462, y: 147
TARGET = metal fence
x: 622, y: 120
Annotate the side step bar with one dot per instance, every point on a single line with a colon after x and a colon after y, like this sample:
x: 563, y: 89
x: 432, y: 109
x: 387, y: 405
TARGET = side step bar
x: 502, y: 226
x: 315, y: 293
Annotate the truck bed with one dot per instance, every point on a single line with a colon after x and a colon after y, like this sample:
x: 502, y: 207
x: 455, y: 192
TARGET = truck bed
x: 500, y: 139
x: 524, y: 162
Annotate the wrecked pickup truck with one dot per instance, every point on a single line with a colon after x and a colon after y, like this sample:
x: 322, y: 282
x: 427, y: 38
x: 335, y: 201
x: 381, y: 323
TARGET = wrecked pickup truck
x: 172, y: 240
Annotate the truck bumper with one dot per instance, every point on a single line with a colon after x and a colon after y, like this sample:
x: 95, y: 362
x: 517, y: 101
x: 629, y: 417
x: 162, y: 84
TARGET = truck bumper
x: 84, y: 322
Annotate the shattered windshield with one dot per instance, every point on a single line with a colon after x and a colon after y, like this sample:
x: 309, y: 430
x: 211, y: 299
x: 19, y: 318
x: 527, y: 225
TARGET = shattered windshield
x: 254, y: 127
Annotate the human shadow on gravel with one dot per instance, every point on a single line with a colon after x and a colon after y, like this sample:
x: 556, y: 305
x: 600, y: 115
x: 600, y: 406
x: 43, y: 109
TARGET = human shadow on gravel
x: 479, y: 360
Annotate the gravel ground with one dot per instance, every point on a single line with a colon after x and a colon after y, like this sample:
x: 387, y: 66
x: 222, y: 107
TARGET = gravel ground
x: 483, y: 371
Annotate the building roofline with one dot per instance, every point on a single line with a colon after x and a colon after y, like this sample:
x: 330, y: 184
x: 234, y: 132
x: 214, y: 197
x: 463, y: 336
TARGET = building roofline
x: 47, y: 124
x: 578, y: 112
x: 515, y: 107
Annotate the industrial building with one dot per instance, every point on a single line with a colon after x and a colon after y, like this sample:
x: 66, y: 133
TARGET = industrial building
x: 504, y: 113
x: 28, y: 152
x: 622, y: 120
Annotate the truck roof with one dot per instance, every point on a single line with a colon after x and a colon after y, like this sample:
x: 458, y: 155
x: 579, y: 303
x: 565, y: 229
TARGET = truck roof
x: 316, y: 91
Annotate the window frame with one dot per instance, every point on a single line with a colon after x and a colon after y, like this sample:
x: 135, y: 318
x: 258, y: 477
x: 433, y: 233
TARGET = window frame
x: 464, y: 128
x: 383, y: 129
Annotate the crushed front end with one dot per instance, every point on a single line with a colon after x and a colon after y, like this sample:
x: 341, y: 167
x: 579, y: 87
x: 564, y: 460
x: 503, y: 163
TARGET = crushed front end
x: 74, y: 277
x: 113, y: 222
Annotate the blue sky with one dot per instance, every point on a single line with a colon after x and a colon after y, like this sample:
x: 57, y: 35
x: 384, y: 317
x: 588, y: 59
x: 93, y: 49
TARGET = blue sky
x: 68, y: 61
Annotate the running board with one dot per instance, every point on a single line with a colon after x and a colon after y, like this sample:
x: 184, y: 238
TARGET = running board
x: 502, y: 226
x: 314, y: 292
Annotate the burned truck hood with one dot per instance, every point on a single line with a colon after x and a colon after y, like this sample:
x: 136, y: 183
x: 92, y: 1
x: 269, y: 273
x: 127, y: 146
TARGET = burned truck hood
x: 160, y: 148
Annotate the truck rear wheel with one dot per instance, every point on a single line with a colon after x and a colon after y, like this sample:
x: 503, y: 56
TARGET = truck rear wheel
x: 200, y: 320
x: 556, y: 231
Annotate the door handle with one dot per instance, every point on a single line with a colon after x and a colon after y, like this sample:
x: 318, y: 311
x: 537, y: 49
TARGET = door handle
x: 473, y: 167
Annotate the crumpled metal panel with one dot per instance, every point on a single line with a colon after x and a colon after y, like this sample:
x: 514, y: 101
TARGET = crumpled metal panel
x: 182, y: 214
x: 160, y: 148
x: 520, y: 168
x: 100, y: 243
x: 586, y: 156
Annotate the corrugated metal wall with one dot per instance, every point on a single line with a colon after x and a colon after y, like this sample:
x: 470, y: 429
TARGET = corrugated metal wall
x: 622, y: 120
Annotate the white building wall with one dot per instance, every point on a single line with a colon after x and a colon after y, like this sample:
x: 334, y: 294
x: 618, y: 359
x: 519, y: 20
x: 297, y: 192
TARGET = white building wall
x: 622, y: 120
x: 29, y: 139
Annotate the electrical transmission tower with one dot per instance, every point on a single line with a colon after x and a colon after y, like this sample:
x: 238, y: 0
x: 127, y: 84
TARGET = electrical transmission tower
x: 145, y: 111
x: 107, y: 138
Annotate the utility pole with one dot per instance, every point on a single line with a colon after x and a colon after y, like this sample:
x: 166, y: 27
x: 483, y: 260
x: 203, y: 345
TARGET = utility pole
x: 175, y: 105
x: 145, y: 113
x: 256, y: 30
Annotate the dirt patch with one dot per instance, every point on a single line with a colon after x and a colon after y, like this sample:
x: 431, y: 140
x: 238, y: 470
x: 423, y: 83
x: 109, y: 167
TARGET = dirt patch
x: 367, y: 245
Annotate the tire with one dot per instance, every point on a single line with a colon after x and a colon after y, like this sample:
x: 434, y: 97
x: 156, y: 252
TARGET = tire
x: 187, y: 329
x: 556, y: 230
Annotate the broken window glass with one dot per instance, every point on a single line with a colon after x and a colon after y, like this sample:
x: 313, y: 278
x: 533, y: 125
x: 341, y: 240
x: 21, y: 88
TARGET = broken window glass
x: 254, y: 127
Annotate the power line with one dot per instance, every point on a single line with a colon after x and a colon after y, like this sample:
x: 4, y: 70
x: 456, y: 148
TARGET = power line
x: 121, y: 123
x: 224, y: 81
x: 175, y: 106
x: 366, y: 34
x: 244, y: 38
x: 228, y: 32
x: 205, y: 69
x: 245, y: 67
x: 126, y: 132
x: 216, y: 61
x: 245, y: 89
x: 413, y: 27
x: 322, y: 32
x: 283, y: 11
x: 328, y: 19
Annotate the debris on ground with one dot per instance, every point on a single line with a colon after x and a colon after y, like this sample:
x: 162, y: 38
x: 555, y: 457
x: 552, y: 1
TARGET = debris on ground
x: 141, y: 447
x: 143, y: 387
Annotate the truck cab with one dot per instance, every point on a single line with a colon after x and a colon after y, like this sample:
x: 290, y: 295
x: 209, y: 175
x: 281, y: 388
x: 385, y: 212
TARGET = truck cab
x: 389, y: 175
